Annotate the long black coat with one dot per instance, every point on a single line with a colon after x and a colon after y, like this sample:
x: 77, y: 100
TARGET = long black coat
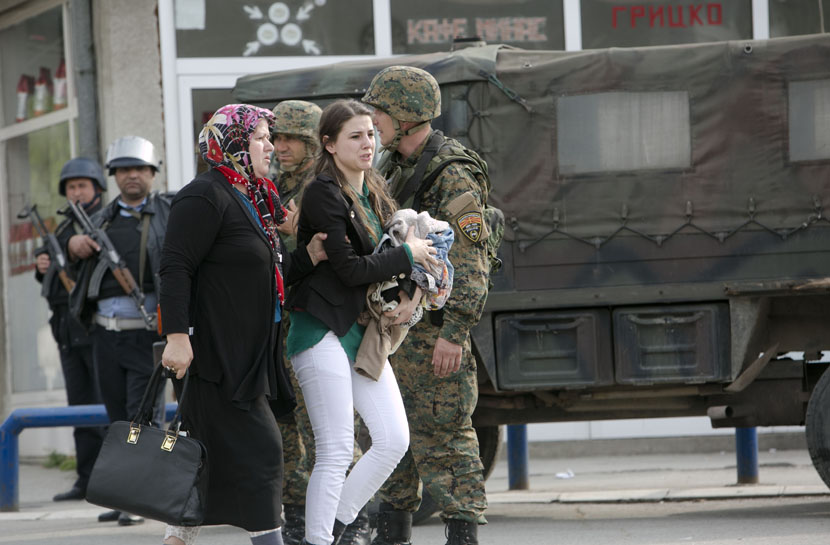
x: 335, y: 292
x: 217, y: 276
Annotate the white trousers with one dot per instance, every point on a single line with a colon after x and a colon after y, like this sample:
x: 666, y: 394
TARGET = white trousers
x: 332, y: 391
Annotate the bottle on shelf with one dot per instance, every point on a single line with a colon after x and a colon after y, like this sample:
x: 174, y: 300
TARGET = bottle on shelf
x: 24, y: 93
x: 60, y: 86
x: 43, y: 92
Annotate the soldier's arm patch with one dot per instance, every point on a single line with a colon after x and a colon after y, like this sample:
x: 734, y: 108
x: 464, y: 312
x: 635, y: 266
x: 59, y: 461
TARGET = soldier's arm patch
x: 467, y: 217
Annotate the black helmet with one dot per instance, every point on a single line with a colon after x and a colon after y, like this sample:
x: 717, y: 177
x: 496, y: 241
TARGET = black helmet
x: 82, y: 167
x: 131, y: 151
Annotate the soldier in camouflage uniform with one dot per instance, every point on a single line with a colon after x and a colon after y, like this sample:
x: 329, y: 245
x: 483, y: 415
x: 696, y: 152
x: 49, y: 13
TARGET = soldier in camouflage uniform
x: 295, y: 146
x: 434, y: 366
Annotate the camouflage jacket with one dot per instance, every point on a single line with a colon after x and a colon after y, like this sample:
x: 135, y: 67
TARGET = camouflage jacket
x: 290, y: 186
x: 456, y: 184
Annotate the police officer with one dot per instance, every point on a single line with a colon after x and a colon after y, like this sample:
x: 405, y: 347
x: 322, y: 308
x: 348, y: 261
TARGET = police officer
x: 81, y: 181
x: 135, y: 222
x: 434, y: 366
x: 295, y: 146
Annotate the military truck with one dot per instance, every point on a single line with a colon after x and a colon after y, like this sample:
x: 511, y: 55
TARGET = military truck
x: 666, y: 238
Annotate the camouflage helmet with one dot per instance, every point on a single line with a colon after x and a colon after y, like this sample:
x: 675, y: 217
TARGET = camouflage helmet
x: 297, y: 118
x: 405, y: 93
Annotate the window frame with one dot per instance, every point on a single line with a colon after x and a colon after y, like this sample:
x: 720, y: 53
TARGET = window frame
x: 68, y: 114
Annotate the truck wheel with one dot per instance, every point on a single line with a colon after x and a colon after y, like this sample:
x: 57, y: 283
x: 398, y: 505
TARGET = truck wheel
x: 818, y: 427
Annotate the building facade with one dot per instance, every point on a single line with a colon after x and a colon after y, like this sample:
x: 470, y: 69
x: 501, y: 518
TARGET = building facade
x: 76, y: 74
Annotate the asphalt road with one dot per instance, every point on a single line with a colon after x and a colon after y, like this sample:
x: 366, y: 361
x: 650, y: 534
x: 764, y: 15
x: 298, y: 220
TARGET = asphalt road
x: 619, y: 500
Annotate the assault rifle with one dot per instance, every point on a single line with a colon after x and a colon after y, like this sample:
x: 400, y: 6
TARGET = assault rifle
x: 53, y: 248
x: 114, y: 261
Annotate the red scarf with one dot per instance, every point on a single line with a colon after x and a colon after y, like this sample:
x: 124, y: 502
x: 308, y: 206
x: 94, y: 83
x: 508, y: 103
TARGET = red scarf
x: 268, y: 207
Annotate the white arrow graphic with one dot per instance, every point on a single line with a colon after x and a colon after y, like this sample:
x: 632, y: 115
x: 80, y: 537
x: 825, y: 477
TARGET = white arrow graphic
x: 303, y: 12
x: 310, y: 47
x: 252, y: 47
x: 253, y: 12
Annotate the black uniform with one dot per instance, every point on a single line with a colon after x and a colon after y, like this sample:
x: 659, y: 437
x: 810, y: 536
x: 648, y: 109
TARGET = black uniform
x: 123, y: 347
x: 75, y: 347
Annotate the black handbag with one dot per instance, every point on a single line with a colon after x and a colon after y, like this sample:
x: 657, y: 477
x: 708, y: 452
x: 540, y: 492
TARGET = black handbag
x: 149, y: 471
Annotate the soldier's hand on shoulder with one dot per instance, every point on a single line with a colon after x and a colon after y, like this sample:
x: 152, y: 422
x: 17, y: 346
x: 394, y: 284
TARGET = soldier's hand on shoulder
x: 82, y: 247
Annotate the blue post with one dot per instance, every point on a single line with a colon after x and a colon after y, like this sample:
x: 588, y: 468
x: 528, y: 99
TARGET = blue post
x: 746, y: 450
x: 517, y: 464
x: 20, y: 419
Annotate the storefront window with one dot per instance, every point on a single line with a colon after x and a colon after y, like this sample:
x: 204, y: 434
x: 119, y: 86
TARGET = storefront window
x: 32, y: 67
x: 431, y: 25
x: 607, y: 132
x: 809, y: 116
x: 33, y: 163
x: 218, y: 28
x: 37, y: 131
x: 633, y: 23
x: 796, y: 17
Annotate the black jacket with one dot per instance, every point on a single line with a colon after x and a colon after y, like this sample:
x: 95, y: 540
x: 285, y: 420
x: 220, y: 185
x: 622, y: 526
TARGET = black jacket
x: 335, y: 292
x: 92, y: 270
x: 67, y: 331
x: 217, y: 272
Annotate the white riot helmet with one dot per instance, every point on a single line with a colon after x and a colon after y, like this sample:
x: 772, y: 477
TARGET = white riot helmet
x: 131, y: 151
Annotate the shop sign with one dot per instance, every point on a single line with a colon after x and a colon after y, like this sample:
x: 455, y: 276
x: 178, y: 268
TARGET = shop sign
x: 432, y: 25
x: 632, y: 23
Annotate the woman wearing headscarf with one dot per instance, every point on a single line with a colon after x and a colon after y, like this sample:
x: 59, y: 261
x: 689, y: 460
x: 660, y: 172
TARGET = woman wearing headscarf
x: 223, y: 275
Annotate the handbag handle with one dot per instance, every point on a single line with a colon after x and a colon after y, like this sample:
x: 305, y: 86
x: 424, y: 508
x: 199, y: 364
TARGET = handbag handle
x: 144, y: 414
x: 177, y: 418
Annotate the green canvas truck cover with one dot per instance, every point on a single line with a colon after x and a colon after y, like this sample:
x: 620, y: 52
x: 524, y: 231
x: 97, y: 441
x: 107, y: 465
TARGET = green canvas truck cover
x: 603, y: 160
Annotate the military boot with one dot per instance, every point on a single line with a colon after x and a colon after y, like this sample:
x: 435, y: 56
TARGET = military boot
x: 394, y: 528
x: 337, y: 531
x: 358, y: 532
x: 461, y: 532
x: 294, y: 528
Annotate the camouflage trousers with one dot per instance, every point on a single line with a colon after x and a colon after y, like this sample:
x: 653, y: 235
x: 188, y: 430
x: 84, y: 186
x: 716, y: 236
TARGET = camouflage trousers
x: 443, y: 448
x: 298, y: 442
x: 297, y: 448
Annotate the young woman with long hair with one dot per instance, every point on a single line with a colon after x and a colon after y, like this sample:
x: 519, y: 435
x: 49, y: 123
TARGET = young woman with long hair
x: 347, y: 200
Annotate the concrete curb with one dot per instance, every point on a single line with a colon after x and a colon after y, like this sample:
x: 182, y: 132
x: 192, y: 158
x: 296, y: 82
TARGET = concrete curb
x: 656, y: 494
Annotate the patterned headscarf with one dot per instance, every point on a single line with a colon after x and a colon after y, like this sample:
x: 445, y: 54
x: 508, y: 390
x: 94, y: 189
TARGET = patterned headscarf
x: 223, y: 143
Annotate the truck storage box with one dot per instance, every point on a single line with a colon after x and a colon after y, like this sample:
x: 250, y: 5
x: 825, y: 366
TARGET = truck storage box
x: 680, y: 344
x: 553, y: 349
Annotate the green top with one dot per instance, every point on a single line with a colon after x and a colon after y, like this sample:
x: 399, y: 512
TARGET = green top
x: 306, y: 330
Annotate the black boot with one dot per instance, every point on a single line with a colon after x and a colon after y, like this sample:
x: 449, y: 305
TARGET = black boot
x: 461, y: 532
x: 294, y: 528
x: 337, y: 531
x: 358, y: 532
x: 394, y: 527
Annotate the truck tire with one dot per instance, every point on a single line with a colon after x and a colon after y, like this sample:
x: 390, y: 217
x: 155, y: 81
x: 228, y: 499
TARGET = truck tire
x: 818, y: 427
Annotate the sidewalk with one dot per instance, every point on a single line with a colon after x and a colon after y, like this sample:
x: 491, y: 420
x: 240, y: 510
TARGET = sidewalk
x: 652, y: 477
x: 619, y: 478
x: 657, y: 477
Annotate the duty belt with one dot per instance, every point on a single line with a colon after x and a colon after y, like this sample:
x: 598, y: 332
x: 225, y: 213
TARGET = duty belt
x: 119, y: 324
